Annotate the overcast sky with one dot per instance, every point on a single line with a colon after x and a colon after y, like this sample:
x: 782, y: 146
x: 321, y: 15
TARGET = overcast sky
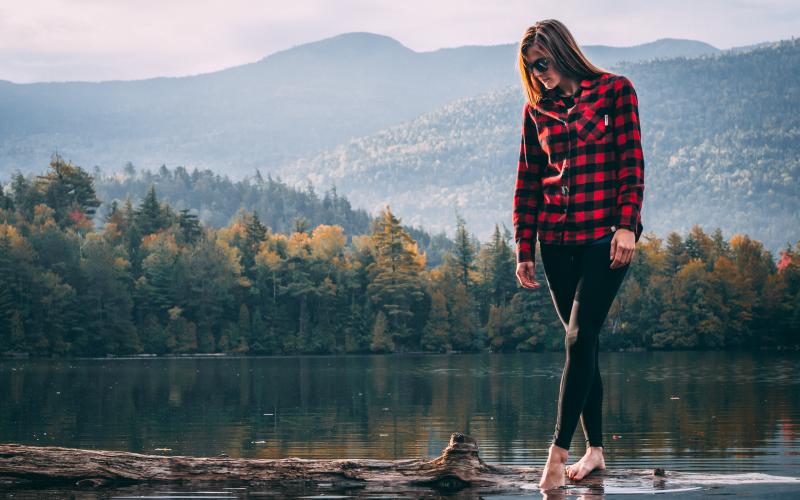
x: 57, y: 40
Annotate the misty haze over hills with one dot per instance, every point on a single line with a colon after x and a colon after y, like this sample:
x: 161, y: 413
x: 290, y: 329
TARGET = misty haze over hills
x: 289, y: 105
x: 429, y: 132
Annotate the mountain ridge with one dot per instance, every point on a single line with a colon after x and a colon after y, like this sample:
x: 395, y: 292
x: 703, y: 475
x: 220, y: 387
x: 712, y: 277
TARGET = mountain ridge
x: 463, y: 154
x: 349, y: 37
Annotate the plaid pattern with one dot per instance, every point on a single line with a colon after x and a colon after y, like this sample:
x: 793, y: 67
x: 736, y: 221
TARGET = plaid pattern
x: 580, y: 174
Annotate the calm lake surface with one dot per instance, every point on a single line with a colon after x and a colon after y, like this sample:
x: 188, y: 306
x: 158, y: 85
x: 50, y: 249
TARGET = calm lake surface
x: 719, y: 412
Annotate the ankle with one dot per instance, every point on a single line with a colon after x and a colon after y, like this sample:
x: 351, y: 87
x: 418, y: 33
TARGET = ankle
x: 558, y: 453
x: 594, y: 450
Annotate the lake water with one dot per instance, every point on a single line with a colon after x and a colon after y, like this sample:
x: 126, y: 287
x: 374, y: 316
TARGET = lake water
x: 719, y: 412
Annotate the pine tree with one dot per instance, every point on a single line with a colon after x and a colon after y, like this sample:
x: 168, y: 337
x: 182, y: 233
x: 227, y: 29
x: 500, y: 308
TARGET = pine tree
x: 69, y: 191
x: 395, y: 285
x: 677, y: 256
x: 6, y: 201
x: 255, y: 233
x: 502, y: 269
x: 190, y: 227
x: 436, y: 335
x: 150, y: 217
x: 464, y: 253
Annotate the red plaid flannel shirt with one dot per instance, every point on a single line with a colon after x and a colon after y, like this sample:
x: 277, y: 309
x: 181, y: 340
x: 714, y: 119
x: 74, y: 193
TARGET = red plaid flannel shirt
x: 581, y: 171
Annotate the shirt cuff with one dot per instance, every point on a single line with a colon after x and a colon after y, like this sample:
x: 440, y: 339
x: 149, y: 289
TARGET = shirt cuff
x: 524, y: 252
x: 628, y: 216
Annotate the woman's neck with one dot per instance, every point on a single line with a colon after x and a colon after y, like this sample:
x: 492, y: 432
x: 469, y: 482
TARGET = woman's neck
x: 567, y: 87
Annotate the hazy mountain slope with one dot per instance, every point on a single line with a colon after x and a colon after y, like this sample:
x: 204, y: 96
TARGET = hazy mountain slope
x: 721, y: 137
x: 289, y: 105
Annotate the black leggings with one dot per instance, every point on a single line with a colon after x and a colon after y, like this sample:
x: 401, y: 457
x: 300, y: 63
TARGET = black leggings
x: 583, y: 287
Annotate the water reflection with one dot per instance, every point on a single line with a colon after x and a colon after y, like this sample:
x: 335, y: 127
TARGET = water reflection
x: 692, y: 411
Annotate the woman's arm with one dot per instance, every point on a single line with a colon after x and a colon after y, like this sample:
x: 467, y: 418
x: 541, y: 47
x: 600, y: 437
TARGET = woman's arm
x: 630, y: 172
x: 532, y: 160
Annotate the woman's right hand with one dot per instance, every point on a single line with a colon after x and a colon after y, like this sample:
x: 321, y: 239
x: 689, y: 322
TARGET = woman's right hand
x: 525, y: 274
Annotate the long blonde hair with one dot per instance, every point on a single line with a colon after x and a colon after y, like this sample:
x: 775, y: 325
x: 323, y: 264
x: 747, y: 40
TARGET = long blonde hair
x: 555, y: 41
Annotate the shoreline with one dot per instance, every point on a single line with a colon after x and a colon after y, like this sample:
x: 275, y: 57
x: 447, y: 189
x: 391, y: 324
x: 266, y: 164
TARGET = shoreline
x: 13, y: 355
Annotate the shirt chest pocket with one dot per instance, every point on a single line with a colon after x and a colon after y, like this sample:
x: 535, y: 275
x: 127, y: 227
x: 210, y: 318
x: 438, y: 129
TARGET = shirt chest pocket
x: 593, y: 123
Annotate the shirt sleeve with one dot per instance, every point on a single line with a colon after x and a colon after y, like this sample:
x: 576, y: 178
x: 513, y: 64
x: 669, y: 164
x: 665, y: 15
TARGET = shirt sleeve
x: 630, y: 171
x: 532, y: 160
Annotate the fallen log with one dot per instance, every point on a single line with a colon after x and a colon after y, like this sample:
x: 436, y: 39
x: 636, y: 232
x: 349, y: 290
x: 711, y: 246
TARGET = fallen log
x: 459, y: 467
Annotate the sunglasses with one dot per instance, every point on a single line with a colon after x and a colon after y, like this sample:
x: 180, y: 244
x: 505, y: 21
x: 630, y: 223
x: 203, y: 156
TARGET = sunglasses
x: 541, y: 64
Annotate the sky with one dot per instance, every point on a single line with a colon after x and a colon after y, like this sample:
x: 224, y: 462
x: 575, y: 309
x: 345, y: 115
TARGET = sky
x: 96, y: 40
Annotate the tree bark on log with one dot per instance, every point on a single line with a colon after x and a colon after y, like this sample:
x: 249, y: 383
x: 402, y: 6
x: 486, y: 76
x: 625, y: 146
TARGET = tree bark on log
x: 458, y: 467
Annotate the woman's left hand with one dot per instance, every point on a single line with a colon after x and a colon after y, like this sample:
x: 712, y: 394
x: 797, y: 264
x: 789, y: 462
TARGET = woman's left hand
x: 623, y: 245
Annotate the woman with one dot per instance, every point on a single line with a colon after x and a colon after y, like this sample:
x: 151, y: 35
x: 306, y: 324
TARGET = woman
x: 579, y: 189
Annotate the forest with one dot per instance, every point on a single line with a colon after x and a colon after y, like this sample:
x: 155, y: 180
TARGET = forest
x: 216, y: 199
x: 152, y: 279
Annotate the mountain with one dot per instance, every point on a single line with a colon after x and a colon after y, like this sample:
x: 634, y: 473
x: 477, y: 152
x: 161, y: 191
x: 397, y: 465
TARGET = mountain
x: 721, y: 138
x: 291, y: 104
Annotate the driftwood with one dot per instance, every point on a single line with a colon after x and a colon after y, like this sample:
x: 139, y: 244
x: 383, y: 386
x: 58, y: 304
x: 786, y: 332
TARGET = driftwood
x: 458, y: 467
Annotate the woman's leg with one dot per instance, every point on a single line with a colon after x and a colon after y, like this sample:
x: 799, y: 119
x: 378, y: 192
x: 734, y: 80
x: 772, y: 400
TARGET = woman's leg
x: 596, y: 287
x: 562, y: 271
x: 562, y: 266
x: 592, y: 414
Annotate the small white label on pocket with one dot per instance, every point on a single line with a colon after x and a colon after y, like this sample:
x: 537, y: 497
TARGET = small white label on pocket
x: 606, y: 120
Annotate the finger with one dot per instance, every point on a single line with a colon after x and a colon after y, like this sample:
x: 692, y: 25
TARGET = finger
x: 523, y: 278
x: 526, y: 277
x: 624, y: 256
x: 617, y: 259
x: 532, y: 281
x: 613, y: 248
x: 532, y: 276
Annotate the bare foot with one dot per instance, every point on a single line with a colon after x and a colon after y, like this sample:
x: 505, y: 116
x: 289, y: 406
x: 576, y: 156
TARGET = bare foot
x: 593, y: 459
x: 553, y: 474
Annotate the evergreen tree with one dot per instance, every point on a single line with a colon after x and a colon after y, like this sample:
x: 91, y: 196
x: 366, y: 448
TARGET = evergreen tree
x: 436, y: 335
x: 395, y: 284
x: 24, y: 195
x: 6, y: 201
x: 677, y: 256
x: 464, y: 254
x: 255, y: 233
x: 150, y: 216
x: 498, y: 273
x: 189, y: 226
x: 69, y: 191
x: 107, y: 302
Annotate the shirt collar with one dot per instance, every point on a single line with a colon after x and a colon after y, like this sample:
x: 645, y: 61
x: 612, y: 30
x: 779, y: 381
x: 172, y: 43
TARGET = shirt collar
x: 585, y: 83
x: 550, y: 98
